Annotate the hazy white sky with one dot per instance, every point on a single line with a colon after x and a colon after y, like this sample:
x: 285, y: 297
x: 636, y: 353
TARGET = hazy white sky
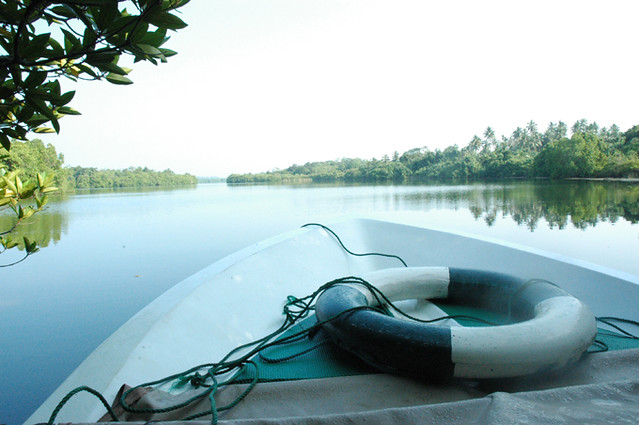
x: 263, y: 84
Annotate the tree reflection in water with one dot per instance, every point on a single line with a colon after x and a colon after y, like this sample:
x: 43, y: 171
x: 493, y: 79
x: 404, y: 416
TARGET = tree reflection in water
x: 580, y: 203
x: 44, y: 227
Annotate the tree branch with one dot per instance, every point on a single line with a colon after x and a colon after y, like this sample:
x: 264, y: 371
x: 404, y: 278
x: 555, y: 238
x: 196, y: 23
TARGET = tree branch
x: 16, y: 262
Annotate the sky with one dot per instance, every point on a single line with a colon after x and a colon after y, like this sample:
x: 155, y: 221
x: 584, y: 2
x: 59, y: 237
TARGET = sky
x: 263, y: 84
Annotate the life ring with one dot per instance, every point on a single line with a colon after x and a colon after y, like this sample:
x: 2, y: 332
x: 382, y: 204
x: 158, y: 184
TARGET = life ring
x: 552, y: 327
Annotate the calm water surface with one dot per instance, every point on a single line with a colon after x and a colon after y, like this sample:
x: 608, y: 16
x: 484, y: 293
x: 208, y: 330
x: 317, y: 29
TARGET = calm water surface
x: 106, y: 254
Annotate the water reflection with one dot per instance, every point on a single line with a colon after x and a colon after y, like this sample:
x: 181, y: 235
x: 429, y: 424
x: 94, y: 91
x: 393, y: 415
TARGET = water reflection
x: 45, y: 227
x: 48, y: 225
x: 119, y: 191
x: 581, y: 204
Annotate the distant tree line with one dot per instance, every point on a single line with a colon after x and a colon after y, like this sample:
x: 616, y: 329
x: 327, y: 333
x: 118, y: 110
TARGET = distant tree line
x: 31, y: 157
x: 591, y: 151
x: 85, y: 178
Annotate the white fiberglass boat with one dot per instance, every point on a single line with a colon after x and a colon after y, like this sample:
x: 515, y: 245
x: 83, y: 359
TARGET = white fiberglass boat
x: 537, y: 372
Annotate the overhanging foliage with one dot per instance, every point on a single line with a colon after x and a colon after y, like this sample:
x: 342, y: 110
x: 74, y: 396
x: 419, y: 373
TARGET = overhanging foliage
x: 44, y: 40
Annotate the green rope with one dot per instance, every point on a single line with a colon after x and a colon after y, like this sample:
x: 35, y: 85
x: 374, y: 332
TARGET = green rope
x: 351, y: 252
x: 607, y: 320
x: 294, y: 310
x: 621, y: 333
x: 75, y: 391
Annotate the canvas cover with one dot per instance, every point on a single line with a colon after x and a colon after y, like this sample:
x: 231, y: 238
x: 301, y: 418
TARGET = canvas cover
x: 601, y: 388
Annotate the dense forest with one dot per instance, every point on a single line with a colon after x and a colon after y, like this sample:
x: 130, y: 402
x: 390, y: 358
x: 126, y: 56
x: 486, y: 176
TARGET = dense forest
x: 33, y: 156
x: 591, y: 151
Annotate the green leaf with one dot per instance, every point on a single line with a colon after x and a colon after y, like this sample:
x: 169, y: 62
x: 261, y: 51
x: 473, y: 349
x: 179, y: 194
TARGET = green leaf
x: 65, y: 98
x: 28, y: 213
x: 43, y: 130
x: 36, y: 120
x: 168, y: 52
x: 66, y: 110
x: 48, y: 179
x: 4, y: 141
x: 173, y: 4
x: 112, y: 67
x: 10, y: 184
x: 28, y: 190
x: 166, y: 20
x: 100, y: 58
x: 41, y: 202
x: 71, y: 42
x: 139, y: 33
x: 56, y: 48
x: 106, y: 13
x: 54, y: 88
x: 39, y: 105
x: 55, y: 124
x: 30, y: 247
x: 121, y: 26
x: 155, y: 38
x: 17, y: 132
x: 35, y: 78
x: 87, y: 70
x: 149, y: 50
x: 63, y: 11
x: 90, y: 37
x: 35, y: 46
x: 8, y: 242
x: 25, y: 114
x: 49, y: 189
x: 118, y: 79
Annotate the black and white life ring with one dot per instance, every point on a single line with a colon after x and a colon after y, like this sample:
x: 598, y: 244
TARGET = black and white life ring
x: 553, y: 328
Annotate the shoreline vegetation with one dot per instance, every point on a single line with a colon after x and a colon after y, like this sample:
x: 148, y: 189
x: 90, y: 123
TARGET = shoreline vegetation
x: 32, y: 157
x: 590, y: 152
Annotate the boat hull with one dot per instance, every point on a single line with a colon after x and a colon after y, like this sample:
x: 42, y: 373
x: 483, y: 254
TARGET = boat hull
x: 239, y: 298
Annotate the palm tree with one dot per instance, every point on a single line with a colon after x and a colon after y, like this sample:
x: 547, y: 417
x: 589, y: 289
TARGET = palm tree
x: 517, y: 139
x: 580, y: 126
x: 489, y: 139
x: 475, y: 144
x: 533, y: 141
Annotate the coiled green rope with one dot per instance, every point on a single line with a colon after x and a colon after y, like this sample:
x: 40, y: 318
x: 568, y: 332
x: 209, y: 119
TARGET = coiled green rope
x: 294, y: 310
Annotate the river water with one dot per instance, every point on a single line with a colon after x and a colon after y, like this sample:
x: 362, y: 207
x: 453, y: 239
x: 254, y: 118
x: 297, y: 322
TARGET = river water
x: 107, y: 254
